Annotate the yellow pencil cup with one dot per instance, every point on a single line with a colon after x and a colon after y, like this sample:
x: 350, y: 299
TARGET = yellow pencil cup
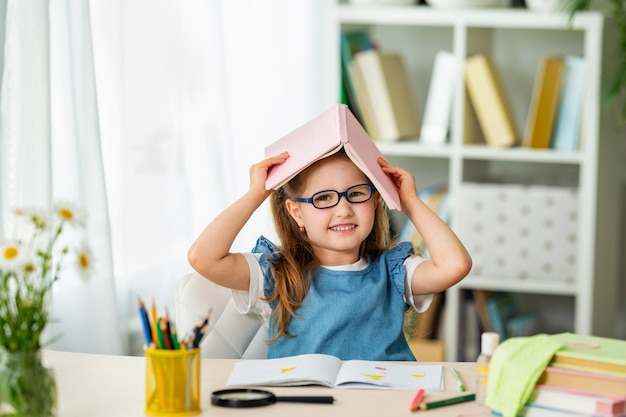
x: 172, y: 382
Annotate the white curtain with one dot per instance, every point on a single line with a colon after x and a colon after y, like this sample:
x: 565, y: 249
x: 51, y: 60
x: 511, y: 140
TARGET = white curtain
x: 188, y: 94
x: 50, y: 150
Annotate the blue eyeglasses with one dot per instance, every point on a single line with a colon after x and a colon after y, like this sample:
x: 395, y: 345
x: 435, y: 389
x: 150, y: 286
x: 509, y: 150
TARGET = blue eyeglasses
x: 330, y: 198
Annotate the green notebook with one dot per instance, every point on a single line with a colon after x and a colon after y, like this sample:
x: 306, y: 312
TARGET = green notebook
x: 593, y: 353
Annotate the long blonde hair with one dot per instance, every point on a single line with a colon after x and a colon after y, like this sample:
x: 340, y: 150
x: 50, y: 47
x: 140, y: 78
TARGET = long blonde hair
x: 294, y: 262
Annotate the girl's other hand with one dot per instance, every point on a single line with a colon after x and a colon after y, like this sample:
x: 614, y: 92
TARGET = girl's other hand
x: 259, y: 171
x: 403, y: 179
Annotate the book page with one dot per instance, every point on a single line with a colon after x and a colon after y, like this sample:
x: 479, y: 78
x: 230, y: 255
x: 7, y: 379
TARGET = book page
x: 364, y: 153
x: 389, y: 375
x: 312, y: 369
x: 306, y: 144
x: 290, y: 177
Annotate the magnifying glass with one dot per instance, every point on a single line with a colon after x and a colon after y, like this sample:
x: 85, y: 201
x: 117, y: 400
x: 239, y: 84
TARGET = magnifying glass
x: 255, y: 398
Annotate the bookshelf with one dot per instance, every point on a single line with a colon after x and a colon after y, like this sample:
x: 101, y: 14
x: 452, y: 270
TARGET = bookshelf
x: 516, y: 40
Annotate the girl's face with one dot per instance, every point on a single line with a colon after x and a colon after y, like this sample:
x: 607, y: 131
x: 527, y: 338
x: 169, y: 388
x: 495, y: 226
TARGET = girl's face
x: 335, y: 233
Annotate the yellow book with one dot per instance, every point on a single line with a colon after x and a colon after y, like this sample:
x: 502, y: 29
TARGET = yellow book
x: 544, y: 103
x: 490, y: 102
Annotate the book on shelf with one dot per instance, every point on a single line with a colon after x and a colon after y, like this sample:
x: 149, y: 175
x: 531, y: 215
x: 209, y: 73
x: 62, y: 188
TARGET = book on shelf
x: 574, y: 400
x: 443, y: 78
x: 389, y: 91
x: 436, y: 197
x: 544, y: 103
x: 480, y: 301
x: 336, y: 128
x: 500, y: 309
x: 591, y: 381
x: 364, y: 102
x: 330, y: 371
x: 593, y: 353
x: 351, y: 43
x: 497, y: 312
x: 490, y: 101
x: 470, y: 329
x: 566, y: 135
x: 521, y: 324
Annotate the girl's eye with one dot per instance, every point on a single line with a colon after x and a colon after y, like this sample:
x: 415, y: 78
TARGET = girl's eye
x: 355, y: 194
x: 323, y: 197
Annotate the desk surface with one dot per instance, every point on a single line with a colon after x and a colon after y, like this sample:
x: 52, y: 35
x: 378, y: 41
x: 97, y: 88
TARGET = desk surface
x: 108, y: 385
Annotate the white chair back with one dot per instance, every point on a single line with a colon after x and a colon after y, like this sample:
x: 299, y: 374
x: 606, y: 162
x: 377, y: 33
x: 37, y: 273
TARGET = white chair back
x: 231, y: 334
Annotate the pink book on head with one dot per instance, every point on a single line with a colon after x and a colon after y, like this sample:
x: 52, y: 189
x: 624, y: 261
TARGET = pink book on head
x: 326, y: 134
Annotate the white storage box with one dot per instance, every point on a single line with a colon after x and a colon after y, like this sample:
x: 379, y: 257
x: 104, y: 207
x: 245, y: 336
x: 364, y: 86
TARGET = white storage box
x: 520, y: 232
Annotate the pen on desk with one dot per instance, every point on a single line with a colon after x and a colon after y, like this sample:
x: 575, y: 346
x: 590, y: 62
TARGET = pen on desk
x: 448, y: 401
x: 458, y: 379
x: 417, y: 400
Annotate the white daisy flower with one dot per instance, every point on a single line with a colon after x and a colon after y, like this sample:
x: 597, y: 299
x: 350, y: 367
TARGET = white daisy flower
x: 12, y: 256
x: 84, y: 260
x: 29, y: 266
x: 70, y: 213
x: 39, y: 218
x: 31, y: 260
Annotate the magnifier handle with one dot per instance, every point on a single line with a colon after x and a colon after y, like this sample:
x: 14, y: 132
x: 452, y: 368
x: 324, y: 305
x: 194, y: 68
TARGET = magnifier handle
x: 309, y: 399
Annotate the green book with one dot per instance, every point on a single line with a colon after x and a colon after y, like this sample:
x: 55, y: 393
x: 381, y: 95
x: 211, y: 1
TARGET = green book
x: 592, y: 353
x: 352, y: 42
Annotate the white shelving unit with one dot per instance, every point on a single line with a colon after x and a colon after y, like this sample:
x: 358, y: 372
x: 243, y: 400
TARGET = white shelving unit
x: 516, y: 40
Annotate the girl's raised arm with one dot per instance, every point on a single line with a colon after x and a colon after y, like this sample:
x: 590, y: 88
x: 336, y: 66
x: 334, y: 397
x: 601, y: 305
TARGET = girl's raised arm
x: 210, y: 254
x: 450, y: 262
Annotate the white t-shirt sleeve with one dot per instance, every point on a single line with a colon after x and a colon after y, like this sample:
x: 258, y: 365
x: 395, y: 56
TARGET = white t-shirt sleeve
x: 419, y: 303
x: 251, y: 301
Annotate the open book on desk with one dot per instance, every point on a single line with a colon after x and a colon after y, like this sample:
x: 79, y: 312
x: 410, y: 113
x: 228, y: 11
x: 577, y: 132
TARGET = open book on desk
x: 327, y: 370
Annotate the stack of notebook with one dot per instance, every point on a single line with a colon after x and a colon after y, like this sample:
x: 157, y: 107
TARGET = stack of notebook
x: 587, y: 377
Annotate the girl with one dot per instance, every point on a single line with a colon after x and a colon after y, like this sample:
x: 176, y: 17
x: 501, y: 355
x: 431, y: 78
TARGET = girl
x: 337, y: 284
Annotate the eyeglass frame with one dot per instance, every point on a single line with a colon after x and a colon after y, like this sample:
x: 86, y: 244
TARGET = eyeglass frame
x: 311, y: 200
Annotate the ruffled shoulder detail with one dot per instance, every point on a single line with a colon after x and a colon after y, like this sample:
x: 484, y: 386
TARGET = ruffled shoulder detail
x: 399, y: 252
x: 267, y: 250
x: 394, y: 259
x: 264, y: 247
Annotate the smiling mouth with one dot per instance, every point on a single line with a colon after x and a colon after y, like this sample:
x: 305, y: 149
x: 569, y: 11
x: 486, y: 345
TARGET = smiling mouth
x: 343, y: 228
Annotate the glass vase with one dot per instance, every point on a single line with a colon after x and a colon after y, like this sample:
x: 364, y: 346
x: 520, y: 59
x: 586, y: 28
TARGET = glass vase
x: 27, y: 388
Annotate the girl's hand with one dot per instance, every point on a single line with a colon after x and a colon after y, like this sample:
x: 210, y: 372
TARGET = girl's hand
x: 403, y: 179
x: 258, y: 172
x: 449, y: 261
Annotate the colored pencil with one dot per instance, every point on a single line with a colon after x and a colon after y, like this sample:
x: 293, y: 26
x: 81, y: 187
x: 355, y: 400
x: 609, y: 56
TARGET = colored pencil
x: 458, y: 379
x: 448, y: 401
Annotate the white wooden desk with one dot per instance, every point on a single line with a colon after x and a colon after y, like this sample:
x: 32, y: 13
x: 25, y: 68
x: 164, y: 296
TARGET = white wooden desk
x: 108, y: 385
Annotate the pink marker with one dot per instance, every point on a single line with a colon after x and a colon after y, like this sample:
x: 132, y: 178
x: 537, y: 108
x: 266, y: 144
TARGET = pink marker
x: 417, y: 400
